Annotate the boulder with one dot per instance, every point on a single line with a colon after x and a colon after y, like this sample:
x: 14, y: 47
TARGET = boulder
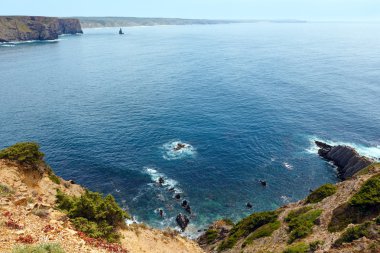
x: 182, y: 221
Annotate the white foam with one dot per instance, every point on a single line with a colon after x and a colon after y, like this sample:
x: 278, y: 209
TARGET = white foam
x: 168, y: 182
x: 285, y: 199
x: 372, y: 152
x: 170, y: 153
x: 288, y: 165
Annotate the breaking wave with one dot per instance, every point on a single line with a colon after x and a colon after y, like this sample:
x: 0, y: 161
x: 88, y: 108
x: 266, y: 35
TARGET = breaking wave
x: 172, y: 152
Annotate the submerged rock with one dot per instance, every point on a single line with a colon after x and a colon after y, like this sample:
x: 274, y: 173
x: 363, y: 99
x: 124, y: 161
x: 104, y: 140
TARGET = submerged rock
x: 179, y: 146
x: 347, y: 159
x: 182, y: 221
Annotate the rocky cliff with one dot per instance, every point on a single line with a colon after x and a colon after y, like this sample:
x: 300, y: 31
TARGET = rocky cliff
x: 24, y: 28
x: 345, y: 158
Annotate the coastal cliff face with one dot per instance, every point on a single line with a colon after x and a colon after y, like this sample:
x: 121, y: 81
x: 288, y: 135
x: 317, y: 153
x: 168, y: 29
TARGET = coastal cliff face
x: 345, y: 158
x: 24, y: 28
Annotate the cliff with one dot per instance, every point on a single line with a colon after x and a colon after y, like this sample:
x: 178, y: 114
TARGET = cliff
x: 24, y: 28
x: 35, y: 215
x: 341, y: 218
x: 345, y: 158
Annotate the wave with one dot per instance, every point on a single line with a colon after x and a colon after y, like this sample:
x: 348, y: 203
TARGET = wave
x: 371, y: 152
x: 288, y: 165
x: 169, y: 183
x: 171, y: 153
x: 15, y: 43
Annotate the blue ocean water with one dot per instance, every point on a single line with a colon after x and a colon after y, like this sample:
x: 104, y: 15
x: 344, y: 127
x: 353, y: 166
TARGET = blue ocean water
x: 248, y: 99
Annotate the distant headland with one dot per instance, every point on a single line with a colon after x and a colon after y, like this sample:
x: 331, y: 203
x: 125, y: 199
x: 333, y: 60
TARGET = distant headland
x: 25, y: 28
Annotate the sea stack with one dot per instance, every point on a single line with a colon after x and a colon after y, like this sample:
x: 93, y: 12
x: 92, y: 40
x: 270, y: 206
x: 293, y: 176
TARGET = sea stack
x: 345, y: 158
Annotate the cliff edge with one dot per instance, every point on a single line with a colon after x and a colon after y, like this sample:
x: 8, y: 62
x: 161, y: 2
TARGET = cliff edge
x: 24, y: 28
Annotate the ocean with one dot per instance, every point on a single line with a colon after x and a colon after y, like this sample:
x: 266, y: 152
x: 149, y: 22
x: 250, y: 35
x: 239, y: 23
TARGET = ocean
x: 248, y: 100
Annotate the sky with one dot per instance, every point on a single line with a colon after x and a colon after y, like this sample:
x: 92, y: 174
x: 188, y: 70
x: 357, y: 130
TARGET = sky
x: 318, y: 10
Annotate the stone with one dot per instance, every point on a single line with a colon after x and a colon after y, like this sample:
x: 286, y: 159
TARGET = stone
x: 182, y: 221
x: 22, y: 201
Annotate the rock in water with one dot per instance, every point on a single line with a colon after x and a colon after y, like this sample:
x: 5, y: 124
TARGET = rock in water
x: 345, y: 158
x: 24, y: 28
x: 182, y: 221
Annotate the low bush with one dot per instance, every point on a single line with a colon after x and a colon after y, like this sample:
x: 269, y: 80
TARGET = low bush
x: 298, y: 248
x: 246, y: 226
x: 211, y: 235
x: 363, y: 206
x: 321, y: 193
x: 354, y: 233
x: 23, y: 152
x: 54, y: 178
x: 263, y: 231
x: 41, y: 248
x: 93, y: 214
x: 5, y: 190
x: 301, y: 222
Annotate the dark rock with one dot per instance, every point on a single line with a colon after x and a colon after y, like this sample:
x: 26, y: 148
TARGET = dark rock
x: 171, y: 189
x: 71, y: 181
x: 184, y: 203
x: 345, y: 158
x: 179, y: 146
x: 188, y: 209
x: 263, y: 182
x: 182, y: 221
x: 177, y: 196
x: 161, y: 180
x: 249, y: 205
x: 24, y: 28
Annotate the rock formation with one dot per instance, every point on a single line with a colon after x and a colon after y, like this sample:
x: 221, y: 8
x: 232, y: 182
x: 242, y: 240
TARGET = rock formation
x: 345, y: 158
x: 182, y: 221
x: 24, y: 28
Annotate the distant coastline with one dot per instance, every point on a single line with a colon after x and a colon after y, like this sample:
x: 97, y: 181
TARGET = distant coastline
x: 100, y: 22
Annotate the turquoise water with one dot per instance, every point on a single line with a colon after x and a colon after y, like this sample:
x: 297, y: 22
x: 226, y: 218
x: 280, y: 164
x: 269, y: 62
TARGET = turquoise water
x: 248, y: 99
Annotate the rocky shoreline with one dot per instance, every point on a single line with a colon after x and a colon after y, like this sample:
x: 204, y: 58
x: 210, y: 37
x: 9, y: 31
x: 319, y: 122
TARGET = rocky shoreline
x: 347, y: 159
x: 26, y: 28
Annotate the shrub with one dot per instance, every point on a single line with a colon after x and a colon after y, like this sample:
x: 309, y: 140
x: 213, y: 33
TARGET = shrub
x: 93, y: 214
x: 263, y: 231
x: 301, y: 222
x: 211, y: 235
x: 23, y: 152
x: 363, y: 206
x: 246, y: 226
x: 5, y: 190
x: 315, y: 245
x: 54, y: 178
x: 298, y: 248
x: 354, y: 233
x: 321, y: 193
x: 42, y: 248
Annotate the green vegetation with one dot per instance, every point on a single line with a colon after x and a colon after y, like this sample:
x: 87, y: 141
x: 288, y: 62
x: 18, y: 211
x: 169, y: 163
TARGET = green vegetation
x: 246, y: 226
x: 263, y: 231
x: 54, y: 178
x: 211, y: 235
x: 41, y: 248
x: 315, y: 245
x: 298, y: 248
x: 93, y: 214
x: 354, y: 233
x: 301, y: 222
x: 228, y: 221
x: 321, y: 193
x: 5, y: 190
x: 363, y: 206
x: 23, y: 152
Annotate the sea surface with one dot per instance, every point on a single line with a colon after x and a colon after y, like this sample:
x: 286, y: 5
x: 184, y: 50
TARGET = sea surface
x: 247, y: 99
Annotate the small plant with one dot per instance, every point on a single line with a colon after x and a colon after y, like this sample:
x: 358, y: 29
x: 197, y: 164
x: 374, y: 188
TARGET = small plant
x: 301, y: 222
x: 315, y: 245
x: 354, y: 233
x: 263, y: 231
x: 41, y: 248
x: 321, y: 193
x: 23, y: 152
x: 48, y: 228
x: 54, y: 178
x: 298, y: 248
x: 246, y: 226
x: 369, y: 193
x: 27, y: 239
x: 211, y: 235
x: 100, y: 243
x: 93, y: 214
x: 5, y: 190
x: 10, y: 223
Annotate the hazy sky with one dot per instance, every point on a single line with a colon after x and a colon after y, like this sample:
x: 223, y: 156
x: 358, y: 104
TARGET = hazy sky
x: 227, y: 9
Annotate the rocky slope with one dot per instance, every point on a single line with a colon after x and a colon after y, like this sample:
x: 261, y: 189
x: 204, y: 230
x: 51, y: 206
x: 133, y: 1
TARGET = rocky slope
x: 29, y: 216
x: 24, y: 28
x: 334, y: 218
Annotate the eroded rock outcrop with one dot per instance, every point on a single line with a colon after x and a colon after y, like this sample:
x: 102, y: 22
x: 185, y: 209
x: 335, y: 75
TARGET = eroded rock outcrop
x: 24, y: 28
x: 345, y: 158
